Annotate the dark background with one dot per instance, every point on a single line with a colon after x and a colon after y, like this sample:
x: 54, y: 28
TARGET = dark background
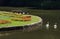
x: 41, y: 4
x: 51, y: 16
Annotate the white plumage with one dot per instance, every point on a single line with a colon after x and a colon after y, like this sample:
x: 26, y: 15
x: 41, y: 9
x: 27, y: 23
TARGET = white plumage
x: 23, y: 12
x: 55, y: 26
x: 47, y: 25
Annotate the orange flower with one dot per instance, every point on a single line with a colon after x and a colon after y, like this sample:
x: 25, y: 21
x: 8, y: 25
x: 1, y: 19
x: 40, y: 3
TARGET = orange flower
x: 4, y: 21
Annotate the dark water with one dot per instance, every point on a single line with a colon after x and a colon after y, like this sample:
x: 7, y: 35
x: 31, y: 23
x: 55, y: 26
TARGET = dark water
x: 39, y: 34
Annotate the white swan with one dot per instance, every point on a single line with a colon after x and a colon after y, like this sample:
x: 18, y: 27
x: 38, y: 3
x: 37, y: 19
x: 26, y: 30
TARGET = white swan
x: 47, y: 25
x: 23, y: 12
x: 55, y: 25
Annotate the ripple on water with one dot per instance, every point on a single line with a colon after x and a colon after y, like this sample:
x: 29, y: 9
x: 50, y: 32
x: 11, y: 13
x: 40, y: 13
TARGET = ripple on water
x: 4, y: 34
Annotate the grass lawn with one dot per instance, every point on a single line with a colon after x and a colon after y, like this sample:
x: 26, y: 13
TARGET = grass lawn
x: 17, y: 23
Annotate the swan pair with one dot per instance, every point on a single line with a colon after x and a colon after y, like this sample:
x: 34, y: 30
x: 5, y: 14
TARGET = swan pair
x: 47, y: 25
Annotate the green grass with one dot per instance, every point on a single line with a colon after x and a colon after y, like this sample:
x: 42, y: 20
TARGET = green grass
x: 18, y: 23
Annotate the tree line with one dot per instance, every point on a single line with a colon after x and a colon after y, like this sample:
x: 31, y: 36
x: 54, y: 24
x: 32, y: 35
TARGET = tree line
x: 42, y: 4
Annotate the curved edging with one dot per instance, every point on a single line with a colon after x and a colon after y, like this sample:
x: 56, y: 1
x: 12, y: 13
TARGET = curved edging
x: 36, y: 23
x: 28, y: 25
